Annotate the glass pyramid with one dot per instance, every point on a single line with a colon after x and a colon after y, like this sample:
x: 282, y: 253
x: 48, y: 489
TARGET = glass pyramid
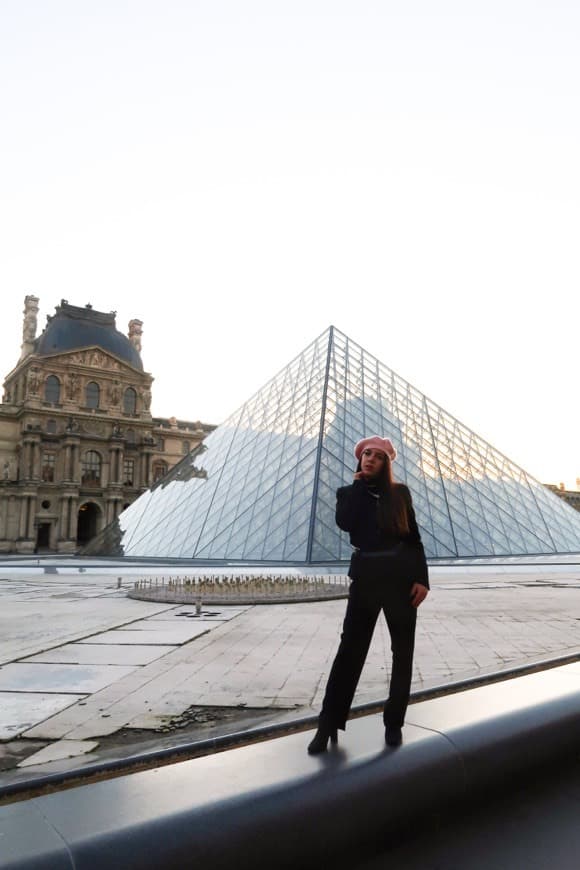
x: 262, y: 486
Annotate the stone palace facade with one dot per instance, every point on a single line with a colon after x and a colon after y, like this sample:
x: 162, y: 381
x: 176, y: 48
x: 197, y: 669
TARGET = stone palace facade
x: 78, y: 442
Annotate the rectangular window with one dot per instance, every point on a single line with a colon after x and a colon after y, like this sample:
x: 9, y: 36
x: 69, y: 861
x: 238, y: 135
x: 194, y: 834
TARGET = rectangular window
x: 48, y: 467
x: 159, y: 470
x: 91, y: 468
x: 128, y: 472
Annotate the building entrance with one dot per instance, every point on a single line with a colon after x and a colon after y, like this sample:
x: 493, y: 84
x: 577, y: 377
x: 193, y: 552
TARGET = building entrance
x: 88, y: 519
x: 42, y: 537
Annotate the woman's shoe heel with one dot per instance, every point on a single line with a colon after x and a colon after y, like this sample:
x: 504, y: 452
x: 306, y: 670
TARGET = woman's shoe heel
x: 319, y: 742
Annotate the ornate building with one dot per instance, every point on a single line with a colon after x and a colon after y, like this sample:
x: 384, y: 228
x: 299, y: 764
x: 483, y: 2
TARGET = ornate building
x: 78, y: 443
x: 572, y: 496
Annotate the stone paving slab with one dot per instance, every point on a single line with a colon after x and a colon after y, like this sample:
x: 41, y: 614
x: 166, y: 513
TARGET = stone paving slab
x: 102, y: 654
x: 171, y: 623
x: 19, y: 710
x: 60, y: 678
x: 31, y: 627
x: 169, y: 636
x: 58, y: 751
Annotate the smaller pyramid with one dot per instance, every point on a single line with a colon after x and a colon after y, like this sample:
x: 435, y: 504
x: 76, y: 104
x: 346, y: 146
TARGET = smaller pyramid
x: 262, y: 486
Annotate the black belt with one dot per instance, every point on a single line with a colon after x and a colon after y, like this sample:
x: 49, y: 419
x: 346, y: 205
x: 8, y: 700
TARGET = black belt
x: 377, y: 553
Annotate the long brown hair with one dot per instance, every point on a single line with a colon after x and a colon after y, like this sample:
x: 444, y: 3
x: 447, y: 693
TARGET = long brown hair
x: 392, y: 515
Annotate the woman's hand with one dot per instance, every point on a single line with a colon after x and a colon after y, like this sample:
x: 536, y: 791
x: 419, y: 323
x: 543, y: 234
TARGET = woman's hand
x: 358, y: 475
x: 418, y: 594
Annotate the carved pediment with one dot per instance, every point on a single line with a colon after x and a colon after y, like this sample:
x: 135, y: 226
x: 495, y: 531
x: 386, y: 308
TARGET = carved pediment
x: 94, y: 358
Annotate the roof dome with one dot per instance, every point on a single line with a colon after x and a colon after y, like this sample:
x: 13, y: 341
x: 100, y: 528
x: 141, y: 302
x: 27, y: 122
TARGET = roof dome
x: 72, y: 328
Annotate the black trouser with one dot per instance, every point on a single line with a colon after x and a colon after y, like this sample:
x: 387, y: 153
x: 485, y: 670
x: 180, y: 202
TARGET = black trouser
x: 366, y: 599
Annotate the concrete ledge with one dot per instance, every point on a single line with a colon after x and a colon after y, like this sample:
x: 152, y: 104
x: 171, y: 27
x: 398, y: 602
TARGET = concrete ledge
x: 270, y: 804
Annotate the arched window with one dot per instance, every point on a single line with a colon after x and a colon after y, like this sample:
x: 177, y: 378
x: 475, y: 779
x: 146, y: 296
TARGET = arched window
x: 52, y: 389
x: 159, y: 470
x: 92, y: 394
x: 130, y: 401
x: 91, y: 467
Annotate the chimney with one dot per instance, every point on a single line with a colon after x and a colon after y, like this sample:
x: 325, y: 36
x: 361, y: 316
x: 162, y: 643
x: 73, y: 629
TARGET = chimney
x: 135, y: 333
x: 29, y: 325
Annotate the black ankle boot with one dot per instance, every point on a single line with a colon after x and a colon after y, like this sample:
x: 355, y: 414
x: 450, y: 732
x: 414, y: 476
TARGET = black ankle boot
x: 320, y: 740
x: 393, y: 736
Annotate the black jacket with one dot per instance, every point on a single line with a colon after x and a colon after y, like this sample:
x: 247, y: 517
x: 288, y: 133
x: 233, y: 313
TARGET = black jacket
x: 356, y: 513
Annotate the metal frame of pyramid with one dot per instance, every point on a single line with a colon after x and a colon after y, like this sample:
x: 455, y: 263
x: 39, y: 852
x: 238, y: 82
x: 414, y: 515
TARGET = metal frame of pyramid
x: 261, y: 488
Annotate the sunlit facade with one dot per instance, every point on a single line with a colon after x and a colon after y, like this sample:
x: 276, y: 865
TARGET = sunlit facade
x: 78, y: 443
x: 262, y: 486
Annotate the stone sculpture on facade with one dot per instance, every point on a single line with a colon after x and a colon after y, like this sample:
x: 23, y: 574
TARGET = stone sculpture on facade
x: 114, y: 393
x: 72, y: 386
x: 146, y: 399
x: 29, y: 324
x: 135, y: 333
x: 33, y: 382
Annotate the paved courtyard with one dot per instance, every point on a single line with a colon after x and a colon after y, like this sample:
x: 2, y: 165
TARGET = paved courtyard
x: 79, y: 661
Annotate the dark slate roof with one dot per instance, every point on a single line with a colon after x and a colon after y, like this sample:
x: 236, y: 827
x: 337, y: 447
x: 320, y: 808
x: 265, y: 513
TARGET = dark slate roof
x: 72, y: 328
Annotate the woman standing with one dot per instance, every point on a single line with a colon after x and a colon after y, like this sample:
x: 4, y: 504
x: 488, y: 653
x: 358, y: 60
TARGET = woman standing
x: 389, y: 573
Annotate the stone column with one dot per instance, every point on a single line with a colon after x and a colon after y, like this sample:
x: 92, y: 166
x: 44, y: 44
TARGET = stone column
x: 3, y: 517
x: 69, y: 460
x: 113, y: 465
x: 73, y: 518
x: 112, y: 509
x: 63, y: 520
x: 26, y: 460
x: 69, y: 518
x: 35, y: 463
x: 106, y: 470
x: 23, y: 523
x: 31, y: 516
x: 11, y: 533
x: 76, y: 454
x: 145, y: 469
x: 66, y: 462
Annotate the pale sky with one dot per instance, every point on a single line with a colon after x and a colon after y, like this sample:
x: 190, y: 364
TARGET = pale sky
x: 240, y: 175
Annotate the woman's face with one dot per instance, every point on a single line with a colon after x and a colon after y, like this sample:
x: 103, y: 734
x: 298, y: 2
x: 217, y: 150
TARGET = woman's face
x: 372, y: 461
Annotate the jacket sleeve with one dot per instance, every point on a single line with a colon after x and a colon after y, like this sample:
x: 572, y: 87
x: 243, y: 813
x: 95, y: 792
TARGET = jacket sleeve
x: 349, y: 500
x: 414, y: 539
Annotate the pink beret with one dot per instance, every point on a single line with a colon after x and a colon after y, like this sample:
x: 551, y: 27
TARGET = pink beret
x: 383, y: 444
